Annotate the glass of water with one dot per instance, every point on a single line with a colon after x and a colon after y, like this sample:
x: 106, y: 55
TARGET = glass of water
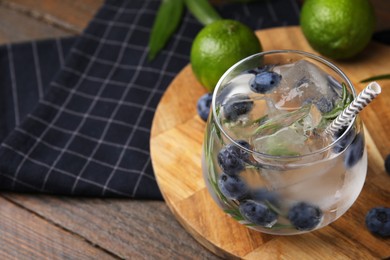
x: 267, y: 160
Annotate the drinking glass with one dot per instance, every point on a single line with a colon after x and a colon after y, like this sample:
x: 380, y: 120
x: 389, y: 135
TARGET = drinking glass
x: 267, y: 161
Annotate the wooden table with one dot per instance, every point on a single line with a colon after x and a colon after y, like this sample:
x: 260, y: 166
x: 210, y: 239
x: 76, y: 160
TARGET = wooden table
x: 49, y: 227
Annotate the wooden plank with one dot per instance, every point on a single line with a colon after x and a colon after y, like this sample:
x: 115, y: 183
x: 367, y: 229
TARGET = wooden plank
x: 66, y: 14
x: 25, y: 235
x: 17, y: 27
x: 129, y: 228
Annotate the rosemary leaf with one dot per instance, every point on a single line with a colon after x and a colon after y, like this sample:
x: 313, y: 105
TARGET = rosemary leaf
x: 278, y: 122
x: 340, y: 106
x: 378, y: 77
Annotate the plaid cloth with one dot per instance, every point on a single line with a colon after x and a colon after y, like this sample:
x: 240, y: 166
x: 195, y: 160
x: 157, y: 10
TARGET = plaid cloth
x: 76, y: 112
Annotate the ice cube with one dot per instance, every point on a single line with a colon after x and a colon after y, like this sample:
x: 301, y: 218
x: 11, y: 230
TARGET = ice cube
x: 275, y: 122
x: 312, y: 119
x: 312, y: 127
x: 303, y: 82
x: 271, y: 108
x: 285, y: 142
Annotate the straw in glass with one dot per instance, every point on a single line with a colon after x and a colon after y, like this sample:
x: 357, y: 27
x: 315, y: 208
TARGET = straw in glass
x: 348, y: 114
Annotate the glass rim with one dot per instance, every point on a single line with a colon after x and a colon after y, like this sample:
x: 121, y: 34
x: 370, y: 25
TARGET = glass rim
x: 286, y: 51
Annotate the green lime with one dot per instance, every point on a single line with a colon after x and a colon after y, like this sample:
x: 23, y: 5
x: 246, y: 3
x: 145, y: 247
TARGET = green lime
x: 338, y: 29
x: 218, y: 46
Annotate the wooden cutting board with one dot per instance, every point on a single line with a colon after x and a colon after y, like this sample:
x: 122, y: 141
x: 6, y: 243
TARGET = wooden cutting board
x: 176, y: 144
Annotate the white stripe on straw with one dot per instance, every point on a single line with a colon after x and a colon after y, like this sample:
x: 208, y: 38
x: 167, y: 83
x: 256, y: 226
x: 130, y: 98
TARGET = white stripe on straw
x: 361, y: 101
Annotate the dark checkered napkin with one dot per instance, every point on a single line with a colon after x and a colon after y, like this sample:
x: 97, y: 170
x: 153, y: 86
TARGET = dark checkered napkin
x: 75, y: 113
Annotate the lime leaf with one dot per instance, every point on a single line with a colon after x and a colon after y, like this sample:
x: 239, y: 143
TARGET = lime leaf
x: 167, y: 19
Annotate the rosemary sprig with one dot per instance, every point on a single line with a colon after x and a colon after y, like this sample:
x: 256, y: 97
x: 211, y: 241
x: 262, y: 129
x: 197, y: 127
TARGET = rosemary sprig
x: 217, y: 130
x: 378, y: 77
x: 346, y: 99
x: 273, y: 125
x: 235, y: 213
x: 281, y: 226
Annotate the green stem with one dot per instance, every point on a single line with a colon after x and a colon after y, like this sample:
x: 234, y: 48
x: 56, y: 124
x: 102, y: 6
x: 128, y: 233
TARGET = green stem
x: 203, y: 11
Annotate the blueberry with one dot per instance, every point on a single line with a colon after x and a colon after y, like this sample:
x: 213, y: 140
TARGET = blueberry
x: 258, y: 70
x: 387, y: 164
x: 264, y: 195
x: 354, y: 151
x: 378, y: 221
x: 229, y: 160
x: 255, y: 71
x: 203, y: 106
x: 258, y: 213
x: 232, y: 186
x: 324, y: 105
x: 265, y: 81
x: 237, y: 105
x: 304, y: 216
x: 334, y: 83
x: 240, y: 153
x: 345, y: 141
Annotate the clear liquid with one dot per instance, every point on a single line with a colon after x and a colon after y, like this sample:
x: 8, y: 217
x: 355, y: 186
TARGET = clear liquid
x: 326, y: 183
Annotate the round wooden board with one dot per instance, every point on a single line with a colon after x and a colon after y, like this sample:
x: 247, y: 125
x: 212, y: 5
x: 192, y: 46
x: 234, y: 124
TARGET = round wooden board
x: 176, y: 144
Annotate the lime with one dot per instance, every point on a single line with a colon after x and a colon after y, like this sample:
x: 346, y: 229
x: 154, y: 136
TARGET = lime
x: 338, y: 29
x: 218, y: 46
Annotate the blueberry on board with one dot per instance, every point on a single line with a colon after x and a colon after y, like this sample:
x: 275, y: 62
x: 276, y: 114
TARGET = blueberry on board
x: 265, y: 81
x: 258, y: 213
x: 378, y: 221
x: 345, y: 141
x: 232, y: 186
x: 354, y: 151
x: 236, y: 106
x: 387, y: 164
x: 304, y: 216
x: 203, y: 106
x: 229, y: 160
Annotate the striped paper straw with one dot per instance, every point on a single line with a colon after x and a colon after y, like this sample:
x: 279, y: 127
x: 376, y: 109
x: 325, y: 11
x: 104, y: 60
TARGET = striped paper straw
x: 361, y: 101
